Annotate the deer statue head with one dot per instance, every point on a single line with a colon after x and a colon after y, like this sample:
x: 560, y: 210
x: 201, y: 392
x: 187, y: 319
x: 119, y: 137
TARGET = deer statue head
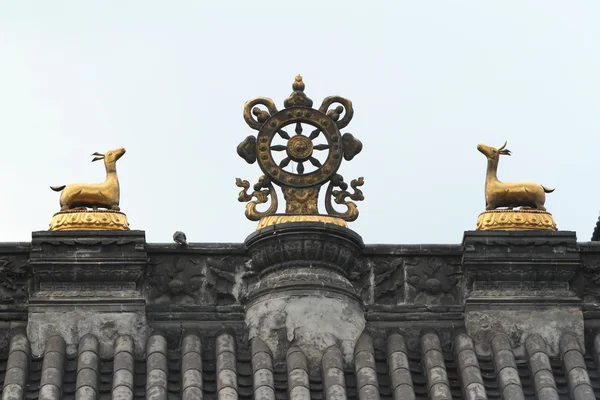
x: 110, y: 157
x: 492, y: 152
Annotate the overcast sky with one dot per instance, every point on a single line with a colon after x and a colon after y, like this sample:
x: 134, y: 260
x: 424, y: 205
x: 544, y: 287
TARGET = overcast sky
x: 428, y: 80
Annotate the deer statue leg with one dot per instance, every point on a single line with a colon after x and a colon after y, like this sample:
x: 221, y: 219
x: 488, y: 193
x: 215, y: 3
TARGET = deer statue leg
x: 115, y: 207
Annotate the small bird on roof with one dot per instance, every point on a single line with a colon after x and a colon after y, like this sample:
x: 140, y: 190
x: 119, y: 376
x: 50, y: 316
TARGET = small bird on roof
x: 179, y: 238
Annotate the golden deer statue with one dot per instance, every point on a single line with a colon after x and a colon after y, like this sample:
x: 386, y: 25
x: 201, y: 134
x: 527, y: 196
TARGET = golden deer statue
x: 511, y: 194
x: 94, y: 195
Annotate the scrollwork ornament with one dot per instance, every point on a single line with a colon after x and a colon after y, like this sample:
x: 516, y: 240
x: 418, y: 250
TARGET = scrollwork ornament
x: 260, y: 117
x: 345, y: 107
x: 262, y: 190
x: 341, y: 196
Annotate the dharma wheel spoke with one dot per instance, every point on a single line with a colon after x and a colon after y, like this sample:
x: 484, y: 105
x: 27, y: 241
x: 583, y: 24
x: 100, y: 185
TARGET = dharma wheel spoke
x: 278, y: 147
x: 298, y: 128
x: 300, y: 168
x: 284, y: 163
x: 315, y: 162
x: 283, y: 134
x: 321, y: 146
x: 314, y: 134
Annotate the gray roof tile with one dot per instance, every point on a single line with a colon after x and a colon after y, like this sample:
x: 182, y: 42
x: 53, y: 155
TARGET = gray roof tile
x: 399, y: 373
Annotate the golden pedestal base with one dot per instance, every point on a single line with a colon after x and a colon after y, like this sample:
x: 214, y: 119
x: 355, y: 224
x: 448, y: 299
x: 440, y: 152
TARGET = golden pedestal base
x: 515, y: 220
x: 88, y: 220
x: 282, y: 219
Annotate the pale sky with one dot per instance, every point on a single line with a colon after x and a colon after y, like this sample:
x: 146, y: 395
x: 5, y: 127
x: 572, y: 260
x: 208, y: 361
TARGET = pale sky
x: 429, y: 80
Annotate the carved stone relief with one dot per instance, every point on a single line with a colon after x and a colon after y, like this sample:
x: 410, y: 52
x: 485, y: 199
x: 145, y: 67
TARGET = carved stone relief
x: 433, y: 280
x: 379, y: 280
x: 13, y: 280
x: 408, y: 280
x: 200, y: 280
x: 587, y: 283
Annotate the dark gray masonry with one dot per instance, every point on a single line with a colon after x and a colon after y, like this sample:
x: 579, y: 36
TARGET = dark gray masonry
x: 298, y: 311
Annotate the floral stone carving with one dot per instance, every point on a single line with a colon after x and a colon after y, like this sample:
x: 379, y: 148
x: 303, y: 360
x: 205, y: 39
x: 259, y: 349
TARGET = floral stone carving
x: 433, y: 280
x: 200, y: 280
x: 13, y: 280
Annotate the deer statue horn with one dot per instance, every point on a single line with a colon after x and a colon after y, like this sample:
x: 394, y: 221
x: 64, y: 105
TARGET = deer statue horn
x: 98, y: 154
x: 503, y: 146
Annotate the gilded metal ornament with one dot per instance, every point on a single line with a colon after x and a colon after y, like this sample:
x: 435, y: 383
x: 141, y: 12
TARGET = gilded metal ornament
x: 282, y: 219
x: 515, y: 220
x: 76, y: 198
x: 288, y: 152
x: 262, y: 190
x: 89, y: 220
x: 529, y: 197
x: 509, y: 194
x: 94, y: 195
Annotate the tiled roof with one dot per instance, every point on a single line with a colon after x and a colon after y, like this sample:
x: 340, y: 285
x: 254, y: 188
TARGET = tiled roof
x: 394, y: 372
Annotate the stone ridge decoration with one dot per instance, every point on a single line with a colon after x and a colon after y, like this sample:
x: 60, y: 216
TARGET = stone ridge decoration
x: 378, y: 278
x: 300, y: 161
x: 587, y: 283
x: 200, y: 280
x: 77, y: 198
x: 418, y: 280
x: 13, y: 279
x: 529, y: 196
x: 434, y: 280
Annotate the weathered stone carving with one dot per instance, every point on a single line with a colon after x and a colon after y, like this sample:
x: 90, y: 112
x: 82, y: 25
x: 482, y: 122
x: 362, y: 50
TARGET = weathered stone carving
x: 587, y: 283
x: 196, y: 280
x: 13, y: 280
x: 87, y: 282
x: 86, y: 242
x: 110, y: 256
x: 222, y: 278
x: 303, y: 297
x: 100, y: 274
x: 388, y: 280
x: 515, y: 334
x: 171, y: 285
x: 433, y: 280
x: 361, y: 278
x: 522, y: 289
x: 87, y: 290
x: 550, y: 256
x: 408, y: 280
x: 270, y: 256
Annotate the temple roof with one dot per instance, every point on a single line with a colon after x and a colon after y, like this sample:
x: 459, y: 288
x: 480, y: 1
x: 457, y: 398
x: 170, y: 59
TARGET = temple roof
x: 300, y: 310
x: 210, y: 366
